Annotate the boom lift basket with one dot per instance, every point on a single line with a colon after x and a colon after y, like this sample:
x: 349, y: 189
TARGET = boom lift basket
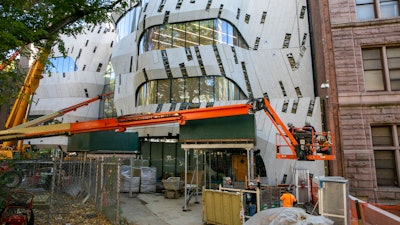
x: 310, y: 146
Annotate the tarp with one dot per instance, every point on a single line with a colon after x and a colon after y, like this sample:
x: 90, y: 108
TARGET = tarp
x: 287, y: 216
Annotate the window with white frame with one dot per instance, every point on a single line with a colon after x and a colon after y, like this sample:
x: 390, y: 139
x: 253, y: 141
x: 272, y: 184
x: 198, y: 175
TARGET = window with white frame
x: 385, y: 141
x: 381, y: 68
x: 372, y: 9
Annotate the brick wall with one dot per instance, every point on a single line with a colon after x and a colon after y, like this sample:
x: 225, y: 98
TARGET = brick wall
x: 356, y: 109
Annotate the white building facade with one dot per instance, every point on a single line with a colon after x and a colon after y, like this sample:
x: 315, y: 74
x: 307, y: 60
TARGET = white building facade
x: 243, y: 49
x: 78, y: 77
x: 174, y: 55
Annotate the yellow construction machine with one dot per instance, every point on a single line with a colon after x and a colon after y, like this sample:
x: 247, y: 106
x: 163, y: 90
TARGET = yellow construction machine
x: 10, y: 149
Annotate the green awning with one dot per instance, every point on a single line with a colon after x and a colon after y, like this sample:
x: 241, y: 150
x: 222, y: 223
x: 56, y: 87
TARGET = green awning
x: 219, y: 129
x: 105, y: 141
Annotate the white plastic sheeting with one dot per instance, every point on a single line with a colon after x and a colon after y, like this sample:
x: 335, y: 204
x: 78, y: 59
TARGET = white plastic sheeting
x: 287, y: 216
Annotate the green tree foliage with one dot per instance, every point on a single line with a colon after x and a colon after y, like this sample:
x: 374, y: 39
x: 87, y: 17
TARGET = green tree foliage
x: 41, y: 22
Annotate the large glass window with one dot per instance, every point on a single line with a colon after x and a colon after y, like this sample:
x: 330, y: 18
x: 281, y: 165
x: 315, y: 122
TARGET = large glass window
x: 108, y: 106
x: 393, y: 60
x: 62, y: 65
x: 189, y: 90
x: 192, y: 90
x: 129, y: 22
x: 164, y: 37
x: 365, y: 9
x: 207, y: 89
x: 206, y: 32
x: 221, y: 89
x: 194, y: 33
x: 389, y: 8
x: 385, y: 141
x: 178, y: 36
x: 381, y: 68
x: 163, y: 91
x: 371, y: 9
x: 178, y: 90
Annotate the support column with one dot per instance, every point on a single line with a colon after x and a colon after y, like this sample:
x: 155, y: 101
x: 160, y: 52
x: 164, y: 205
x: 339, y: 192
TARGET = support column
x: 186, y: 170
x: 251, y: 166
x: 197, y: 177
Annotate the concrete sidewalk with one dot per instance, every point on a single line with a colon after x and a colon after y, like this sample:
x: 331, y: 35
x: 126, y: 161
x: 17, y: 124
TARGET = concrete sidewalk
x: 154, y: 209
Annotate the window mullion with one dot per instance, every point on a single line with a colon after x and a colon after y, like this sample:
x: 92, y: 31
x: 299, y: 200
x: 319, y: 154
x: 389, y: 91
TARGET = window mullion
x: 395, y: 137
x: 397, y: 152
x: 386, y: 76
x: 377, y: 6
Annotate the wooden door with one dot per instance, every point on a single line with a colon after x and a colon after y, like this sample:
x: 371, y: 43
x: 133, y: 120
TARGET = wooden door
x: 239, y: 167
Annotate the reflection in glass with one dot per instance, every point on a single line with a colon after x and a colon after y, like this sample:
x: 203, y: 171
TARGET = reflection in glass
x: 192, y: 90
x: 207, y: 89
x: 178, y: 36
x: 195, y: 33
x: 169, y: 159
x: 373, y: 71
x: 206, y: 32
x: 389, y: 8
x: 189, y: 90
x: 365, y: 9
x: 393, y: 60
x: 164, y: 37
x: 143, y: 93
x: 151, y: 88
x: 62, y: 65
x: 178, y: 90
x: 163, y: 91
x: 129, y: 22
x: 221, y: 89
x: 192, y: 34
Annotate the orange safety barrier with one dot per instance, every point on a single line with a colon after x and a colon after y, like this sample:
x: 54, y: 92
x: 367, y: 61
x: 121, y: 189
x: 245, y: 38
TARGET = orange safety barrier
x: 371, y: 213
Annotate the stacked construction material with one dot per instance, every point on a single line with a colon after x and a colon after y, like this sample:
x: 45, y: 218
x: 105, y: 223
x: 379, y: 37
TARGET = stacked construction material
x: 138, y: 178
x: 148, y: 179
x: 129, y: 182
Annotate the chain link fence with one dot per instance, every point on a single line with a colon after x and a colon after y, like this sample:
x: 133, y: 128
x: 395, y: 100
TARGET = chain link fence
x: 78, y: 190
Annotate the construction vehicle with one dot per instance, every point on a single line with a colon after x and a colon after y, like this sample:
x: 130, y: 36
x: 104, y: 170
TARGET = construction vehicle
x: 300, y: 147
x: 17, y: 119
x: 19, y: 110
x: 10, y: 152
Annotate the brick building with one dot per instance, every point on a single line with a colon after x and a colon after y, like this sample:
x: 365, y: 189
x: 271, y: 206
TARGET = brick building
x: 357, y: 52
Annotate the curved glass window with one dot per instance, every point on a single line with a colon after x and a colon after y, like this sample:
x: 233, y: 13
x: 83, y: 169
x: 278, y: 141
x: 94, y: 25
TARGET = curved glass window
x: 61, y: 65
x: 128, y: 23
x: 189, y: 90
x: 194, y: 33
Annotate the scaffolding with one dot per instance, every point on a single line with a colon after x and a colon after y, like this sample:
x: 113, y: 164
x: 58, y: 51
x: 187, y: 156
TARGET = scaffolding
x: 191, y: 186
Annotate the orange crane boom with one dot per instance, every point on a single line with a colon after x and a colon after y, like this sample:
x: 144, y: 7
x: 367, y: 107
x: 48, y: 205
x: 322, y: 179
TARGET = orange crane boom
x: 61, y: 112
x: 120, y: 124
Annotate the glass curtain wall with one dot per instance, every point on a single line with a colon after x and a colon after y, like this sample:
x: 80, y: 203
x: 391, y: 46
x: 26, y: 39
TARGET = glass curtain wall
x: 61, y: 65
x: 194, y: 33
x: 189, y: 90
x: 129, y: 22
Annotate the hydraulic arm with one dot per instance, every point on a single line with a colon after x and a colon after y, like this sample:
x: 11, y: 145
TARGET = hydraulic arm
x: 297, y: 150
